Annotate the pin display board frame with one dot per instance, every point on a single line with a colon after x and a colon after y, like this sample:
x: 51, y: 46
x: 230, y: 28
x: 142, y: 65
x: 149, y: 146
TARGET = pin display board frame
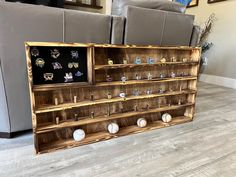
x: 93, y: 105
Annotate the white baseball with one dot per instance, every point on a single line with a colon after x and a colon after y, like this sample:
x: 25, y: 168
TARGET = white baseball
x: 79, y: 135
x: 141, y: 122
x: 166, y: 117
x: 113, y: 128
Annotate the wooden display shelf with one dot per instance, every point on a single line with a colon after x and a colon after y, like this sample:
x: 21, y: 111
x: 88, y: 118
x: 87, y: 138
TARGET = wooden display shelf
x: 61, y: 107
x: 87, y: 120
x: 117, y: 66
x: 146, y: 81
x: 101, y: 136
x: 60, y: 72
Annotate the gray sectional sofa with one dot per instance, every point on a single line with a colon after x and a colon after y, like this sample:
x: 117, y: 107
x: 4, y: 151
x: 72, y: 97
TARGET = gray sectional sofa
x: 22, y: 22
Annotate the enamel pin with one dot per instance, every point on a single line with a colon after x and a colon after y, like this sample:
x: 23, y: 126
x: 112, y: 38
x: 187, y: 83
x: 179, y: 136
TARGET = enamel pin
x: 35, y: 52
x: 68, y: 77
x: 163, y: 60
x: 48, y: 76
x: 75, y: 54
x: 73, y: 64
x: 56, y: 65
x: 55, y: 53
x: 40, y: 62
x: 78, y: 74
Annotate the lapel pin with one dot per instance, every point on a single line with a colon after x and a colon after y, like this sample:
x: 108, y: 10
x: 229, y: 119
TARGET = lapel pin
x: 75, y: 54
x: 40, y: 62
x: 48, y: 76
x: 56, y: 65
x: 68, y: 77
x: 35, y: 52
x: 55, y: 53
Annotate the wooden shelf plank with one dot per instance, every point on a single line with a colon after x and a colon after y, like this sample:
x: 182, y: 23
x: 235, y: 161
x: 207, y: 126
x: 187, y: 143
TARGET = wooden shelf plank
x: 147, y: 47
x: 96, y: 137
x: 158, y: 80
x: 86, y: 121
x: 116, y: 66
x: 52, y: 108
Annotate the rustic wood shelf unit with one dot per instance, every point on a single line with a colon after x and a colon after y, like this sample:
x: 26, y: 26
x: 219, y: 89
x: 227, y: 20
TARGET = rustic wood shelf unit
x: 155, y: 80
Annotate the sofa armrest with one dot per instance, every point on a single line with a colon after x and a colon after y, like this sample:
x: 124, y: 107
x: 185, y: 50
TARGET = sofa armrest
x: 195, y: 36
x: 117, y: 31
x: 4, y: 116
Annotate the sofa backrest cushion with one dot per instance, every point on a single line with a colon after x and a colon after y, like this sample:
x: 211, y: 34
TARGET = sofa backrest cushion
x: 157, y: 27
x: 118, y: 6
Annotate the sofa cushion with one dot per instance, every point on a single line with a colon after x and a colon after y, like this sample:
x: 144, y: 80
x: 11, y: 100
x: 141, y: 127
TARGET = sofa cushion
x: 85, y: 27
x: 118, y: 6
x: 144, y: 26
x: 178, y: 29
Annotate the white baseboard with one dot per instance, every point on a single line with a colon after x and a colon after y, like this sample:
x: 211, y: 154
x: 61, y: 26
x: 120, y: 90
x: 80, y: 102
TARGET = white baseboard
x: 218, y: 80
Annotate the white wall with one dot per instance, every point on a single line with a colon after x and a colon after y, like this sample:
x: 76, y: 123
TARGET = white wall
x: 222, y: 57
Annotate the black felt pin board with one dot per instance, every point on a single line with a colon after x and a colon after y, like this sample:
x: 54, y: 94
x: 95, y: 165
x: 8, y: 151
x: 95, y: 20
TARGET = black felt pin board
x: 43, y: 64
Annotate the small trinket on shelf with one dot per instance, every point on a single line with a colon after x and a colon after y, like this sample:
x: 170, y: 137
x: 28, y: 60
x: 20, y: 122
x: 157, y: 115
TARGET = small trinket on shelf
x: 185, y: 60
x: 172, y: 74
x: 92, y: 115
x: 174, y: 59
x: 57, y: 120
x: 110, y: 62
x: 138, y: 61
x: 113, y: 128
x: 56, y: 101
x: 123, y: 79
x: 166, y: 117
x: 169, y: 104
x: 137, y: 77
x: 125, y: 61
x: 122, y: 95
x: 150, y: 60
x: 179, y: 102
x: 163, y: 60
x: 147, y: 106
x: 91, y: 97
x: 136, y: 92
x: 108, y: 78
x: 109, y: 96
x: 160, y: 91
x: 149, y: 92
x: 75, y: 99
x: 162, y: 75
x: 142, y: 122
x: 149, y: 76
x: 76, y: 117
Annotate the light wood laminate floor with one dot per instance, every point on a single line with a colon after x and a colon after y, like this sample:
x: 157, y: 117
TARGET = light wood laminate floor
x: 202, y: 148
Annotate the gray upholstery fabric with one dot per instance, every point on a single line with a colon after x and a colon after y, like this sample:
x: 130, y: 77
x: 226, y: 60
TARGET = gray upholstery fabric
x: 144, y: 26
x: 117, y: 32
x: 19, y: 23
x: 195, y: 36
x: 178, y: 29
x: 4, y: 117
x: 87, y: 27
x: 118, y: 6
